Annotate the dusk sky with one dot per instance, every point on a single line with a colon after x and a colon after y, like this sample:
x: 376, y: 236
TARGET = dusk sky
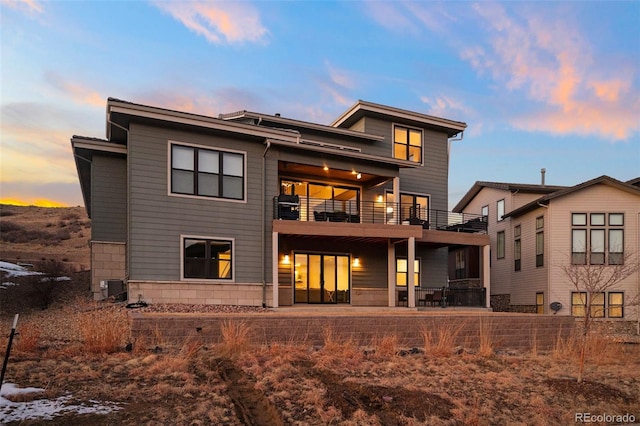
x: 539, y: 84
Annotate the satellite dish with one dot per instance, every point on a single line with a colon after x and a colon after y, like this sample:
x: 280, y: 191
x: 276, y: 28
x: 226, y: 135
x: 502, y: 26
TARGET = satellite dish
x: 555, y: 307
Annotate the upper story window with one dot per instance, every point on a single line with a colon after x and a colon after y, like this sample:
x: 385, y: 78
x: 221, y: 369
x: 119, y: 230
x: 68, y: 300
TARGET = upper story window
x: 598, y: 241
x: 207, y: 172
x: 407, y: 144
x: 500, y: 209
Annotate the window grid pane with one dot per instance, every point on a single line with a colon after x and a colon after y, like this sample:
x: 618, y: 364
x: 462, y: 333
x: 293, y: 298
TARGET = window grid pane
x: 579, y: 219
x: 616, y: 219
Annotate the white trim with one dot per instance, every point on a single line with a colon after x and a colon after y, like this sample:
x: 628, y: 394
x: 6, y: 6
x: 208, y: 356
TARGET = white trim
x: 208, y: 280
x: 209, y: 148
x: 393, y: 142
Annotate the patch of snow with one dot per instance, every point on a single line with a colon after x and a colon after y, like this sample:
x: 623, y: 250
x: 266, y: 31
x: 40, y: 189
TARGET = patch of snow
x: 46, y: 409
x: 13, y: 270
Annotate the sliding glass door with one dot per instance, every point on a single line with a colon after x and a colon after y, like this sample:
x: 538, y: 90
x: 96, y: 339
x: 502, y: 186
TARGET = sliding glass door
x: 321, y: 278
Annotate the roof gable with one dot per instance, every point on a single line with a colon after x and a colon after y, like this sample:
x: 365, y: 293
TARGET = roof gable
x: 601, y: 180
x: 505, y: 186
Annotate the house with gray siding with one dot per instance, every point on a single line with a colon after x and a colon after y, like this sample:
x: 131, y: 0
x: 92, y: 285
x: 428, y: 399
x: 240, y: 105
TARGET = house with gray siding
x: 537, y: 228
x: 256, y: 209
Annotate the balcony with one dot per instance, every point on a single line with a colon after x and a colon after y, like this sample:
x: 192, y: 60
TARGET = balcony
x: 305, y: 209
x: 445, y: 296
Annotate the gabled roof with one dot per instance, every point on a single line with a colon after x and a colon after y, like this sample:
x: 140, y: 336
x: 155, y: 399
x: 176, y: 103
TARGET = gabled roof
x: 604, y: 180
x: 634, y: 182
x: 505, y: 186
x: 363, y: 108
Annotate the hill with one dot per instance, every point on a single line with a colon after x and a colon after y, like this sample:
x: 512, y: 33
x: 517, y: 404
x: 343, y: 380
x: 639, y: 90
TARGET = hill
x: 32, y: 234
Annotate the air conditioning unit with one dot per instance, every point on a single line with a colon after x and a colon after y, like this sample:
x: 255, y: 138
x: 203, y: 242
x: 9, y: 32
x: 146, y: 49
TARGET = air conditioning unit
x: 114, y: 288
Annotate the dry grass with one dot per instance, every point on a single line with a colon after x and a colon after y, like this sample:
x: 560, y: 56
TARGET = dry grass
x: 235, y: 339
x: 101, y: 333
x: 486, y: 332
x: 26, y: 340
x: 440, y: 339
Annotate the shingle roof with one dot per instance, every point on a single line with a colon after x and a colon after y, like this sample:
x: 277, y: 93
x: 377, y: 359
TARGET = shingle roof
x: 506, y: 186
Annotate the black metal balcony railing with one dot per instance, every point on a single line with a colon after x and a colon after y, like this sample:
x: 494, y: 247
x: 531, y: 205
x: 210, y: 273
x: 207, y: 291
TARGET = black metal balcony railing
x: 446, y: 296
x: 293, y: 207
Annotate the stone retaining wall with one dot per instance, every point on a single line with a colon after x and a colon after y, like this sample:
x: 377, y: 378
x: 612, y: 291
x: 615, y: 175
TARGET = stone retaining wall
x: 506, y: 331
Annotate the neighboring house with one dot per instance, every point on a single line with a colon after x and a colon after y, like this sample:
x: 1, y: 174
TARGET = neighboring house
x: 536, y: 228
x: 188, y: 208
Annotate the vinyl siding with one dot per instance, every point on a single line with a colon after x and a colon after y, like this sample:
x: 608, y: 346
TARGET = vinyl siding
x: 160, y: 219
x: 530, y: 279
x: 109, y: 199
x: 595, y: 199
x: 500, y: 268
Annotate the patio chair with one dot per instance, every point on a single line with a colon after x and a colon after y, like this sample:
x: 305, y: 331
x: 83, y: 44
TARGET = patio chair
x: 437, y: 298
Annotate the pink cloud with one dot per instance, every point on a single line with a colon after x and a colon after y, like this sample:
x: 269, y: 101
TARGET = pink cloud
x: 75, y: 91
x: 217, y: 21
x: 29, y: 6
x: 552, y: 62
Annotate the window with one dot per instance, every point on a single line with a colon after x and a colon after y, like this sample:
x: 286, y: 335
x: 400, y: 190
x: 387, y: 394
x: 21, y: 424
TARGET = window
x: 412, y: 206
x: 402, y: 272
x: 579, y: 219
x: 616, y: 247
x: 517, y: 248
x: 578, y: 303
x: 540, y: 241
x: 539, y: 303
x: 460, y: 264
x: 579, y: 246
x: 500, y: 245
x: 597, y: 219
x: 616, y: 219
x: 207, y: 258
x: 616, y: 304
x: 597, y: 305
x: 597, y: 247
x: 605, y: 243
x: 407, y: 144
x: 500, y: 209
x: 485, y: 213
x: 207, y: 172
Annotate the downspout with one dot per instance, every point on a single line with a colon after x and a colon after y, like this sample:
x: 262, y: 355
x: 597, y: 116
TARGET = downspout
x: 449, y: 140
x: 127, y: 243
x: 547, y: 225
x: 262, y: 226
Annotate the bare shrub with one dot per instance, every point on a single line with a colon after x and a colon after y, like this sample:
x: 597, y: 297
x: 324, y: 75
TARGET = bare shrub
x: 235, y: 338
x: 70, y: 216
x: 439, y: 339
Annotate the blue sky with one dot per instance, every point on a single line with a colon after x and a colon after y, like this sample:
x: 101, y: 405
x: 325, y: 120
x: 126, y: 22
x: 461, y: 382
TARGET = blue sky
x: 540, y: 84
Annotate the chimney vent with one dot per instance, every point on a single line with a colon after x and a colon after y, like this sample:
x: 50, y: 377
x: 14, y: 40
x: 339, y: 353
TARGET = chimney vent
x: 542, y: 172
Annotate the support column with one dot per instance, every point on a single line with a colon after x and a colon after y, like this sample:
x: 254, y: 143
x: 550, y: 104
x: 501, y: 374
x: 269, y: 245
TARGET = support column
x: 274, y: 268
x: 391, y: 276
x: 486, y: 273
x: 411, y: 257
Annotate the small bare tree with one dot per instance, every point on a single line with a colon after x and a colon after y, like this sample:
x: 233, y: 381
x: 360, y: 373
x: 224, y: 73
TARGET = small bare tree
x: 593, y: 280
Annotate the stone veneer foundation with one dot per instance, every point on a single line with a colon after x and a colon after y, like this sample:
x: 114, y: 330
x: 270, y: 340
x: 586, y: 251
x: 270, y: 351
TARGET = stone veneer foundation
x: 108, y: 262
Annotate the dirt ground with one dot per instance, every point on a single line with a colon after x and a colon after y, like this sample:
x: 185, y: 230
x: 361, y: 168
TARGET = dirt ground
x: 31, y: 234
x: 79, y: 350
